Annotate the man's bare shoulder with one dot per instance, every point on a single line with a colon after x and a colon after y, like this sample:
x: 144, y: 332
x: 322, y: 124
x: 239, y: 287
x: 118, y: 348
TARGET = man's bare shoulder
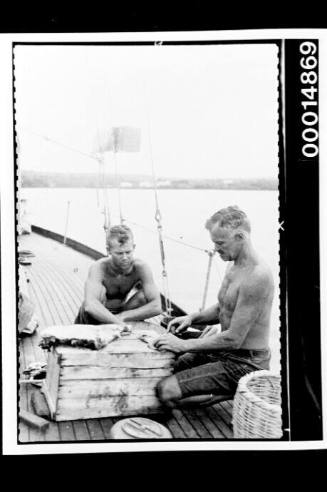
x: 99, y: 266
x: 259, y: 278
x: 143, y: 270
x: 141, y: 265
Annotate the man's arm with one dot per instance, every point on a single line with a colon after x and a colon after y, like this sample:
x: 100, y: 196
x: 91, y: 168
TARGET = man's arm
x: 209, y: 316
x: 151, y: 294
x: 251, y: 302
x: 94, y: 294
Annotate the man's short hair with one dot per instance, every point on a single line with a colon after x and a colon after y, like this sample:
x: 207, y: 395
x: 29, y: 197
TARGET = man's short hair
x: 229, y: 218
x: 121, y: 233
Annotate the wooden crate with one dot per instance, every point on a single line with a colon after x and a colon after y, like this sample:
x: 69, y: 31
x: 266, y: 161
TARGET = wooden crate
x: 118, y: 380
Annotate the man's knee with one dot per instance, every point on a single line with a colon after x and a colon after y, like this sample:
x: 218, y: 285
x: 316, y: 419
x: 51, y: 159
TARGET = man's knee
x: 168, y: 391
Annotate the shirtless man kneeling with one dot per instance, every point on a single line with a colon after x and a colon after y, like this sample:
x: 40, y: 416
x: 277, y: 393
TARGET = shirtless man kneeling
x: 119, y: 288
x: 212, y: 364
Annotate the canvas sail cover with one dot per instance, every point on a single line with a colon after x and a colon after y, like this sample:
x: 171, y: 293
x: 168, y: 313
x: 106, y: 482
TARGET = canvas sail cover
x: 119, y: 139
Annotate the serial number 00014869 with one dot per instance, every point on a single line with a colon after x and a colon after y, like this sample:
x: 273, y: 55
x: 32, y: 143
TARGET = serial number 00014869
x: 309, y: 90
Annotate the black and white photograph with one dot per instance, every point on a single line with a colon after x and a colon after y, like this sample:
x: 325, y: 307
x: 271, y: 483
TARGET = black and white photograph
x: 153, y: 193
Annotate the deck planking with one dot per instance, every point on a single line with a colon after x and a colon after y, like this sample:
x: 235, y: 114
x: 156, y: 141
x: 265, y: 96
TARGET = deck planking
x: 66, y: 431
x: 55, y: 284
x: 95, y: 429
x: 106, y: 425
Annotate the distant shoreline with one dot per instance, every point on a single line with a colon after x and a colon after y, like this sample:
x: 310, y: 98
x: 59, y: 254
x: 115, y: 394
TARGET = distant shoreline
x: 244, y: 188
x: 36, y: 179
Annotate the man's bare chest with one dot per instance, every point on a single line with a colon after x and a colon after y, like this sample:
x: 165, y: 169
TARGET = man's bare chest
x: 120, y: 284
x: 229, y: 291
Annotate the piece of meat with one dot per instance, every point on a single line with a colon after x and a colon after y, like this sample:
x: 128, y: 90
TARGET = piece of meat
x: 93, y: 337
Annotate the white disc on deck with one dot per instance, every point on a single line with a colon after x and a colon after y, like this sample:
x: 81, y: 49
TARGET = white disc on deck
x: 139, y: 428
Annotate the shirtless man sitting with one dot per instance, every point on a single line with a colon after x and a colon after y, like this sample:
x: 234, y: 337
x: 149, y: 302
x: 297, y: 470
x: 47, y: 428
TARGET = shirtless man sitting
x: 212, y: 364
x: 119, y: 288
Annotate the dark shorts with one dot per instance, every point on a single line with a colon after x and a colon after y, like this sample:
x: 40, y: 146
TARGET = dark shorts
x: 217, y: 373
x: 84, y: 318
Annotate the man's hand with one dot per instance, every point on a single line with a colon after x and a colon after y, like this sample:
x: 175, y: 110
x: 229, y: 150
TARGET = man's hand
x: 178, y: 325
x: 121, y: 320
x: 171, y: 343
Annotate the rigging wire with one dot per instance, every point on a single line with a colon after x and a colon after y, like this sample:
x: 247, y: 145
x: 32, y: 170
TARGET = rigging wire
x: 169, y: 237
x: 158, y: 218
x: 206, y: 285
x: 106, y: 210
x: 102, y: 175
x: 210, y: 253
x: 52, y: 140
x: 115, y: 159
x: 105, y: 197
x: 118, y: 187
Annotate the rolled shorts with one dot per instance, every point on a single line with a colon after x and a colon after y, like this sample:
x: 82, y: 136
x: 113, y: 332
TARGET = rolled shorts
x: 217, y: 373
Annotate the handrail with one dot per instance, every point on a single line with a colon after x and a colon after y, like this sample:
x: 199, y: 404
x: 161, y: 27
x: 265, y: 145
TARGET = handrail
x: 77, y: 246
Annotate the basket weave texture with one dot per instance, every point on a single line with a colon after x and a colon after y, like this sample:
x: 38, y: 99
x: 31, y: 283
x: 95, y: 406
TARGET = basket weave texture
x: 257, y: 412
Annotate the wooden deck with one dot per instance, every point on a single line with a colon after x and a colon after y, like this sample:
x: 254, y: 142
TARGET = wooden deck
x: 55, y: 284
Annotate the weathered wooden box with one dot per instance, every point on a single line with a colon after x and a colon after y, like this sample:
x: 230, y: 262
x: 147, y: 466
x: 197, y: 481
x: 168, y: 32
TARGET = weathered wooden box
x: 118, y: 380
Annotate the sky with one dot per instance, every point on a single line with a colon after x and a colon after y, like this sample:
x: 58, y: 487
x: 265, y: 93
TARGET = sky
x: 203, y: 111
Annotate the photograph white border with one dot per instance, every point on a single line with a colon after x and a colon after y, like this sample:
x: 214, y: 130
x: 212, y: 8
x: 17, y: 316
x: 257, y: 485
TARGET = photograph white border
x: 8, y: 279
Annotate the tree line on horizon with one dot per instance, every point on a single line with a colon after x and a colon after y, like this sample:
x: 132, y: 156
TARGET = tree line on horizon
x: 39, y: 179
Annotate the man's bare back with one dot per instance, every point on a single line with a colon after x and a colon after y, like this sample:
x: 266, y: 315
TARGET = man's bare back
x: 239, y: 278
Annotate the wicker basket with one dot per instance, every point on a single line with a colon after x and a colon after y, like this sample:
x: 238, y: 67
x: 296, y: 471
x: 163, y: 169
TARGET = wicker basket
x: 257, y: 412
